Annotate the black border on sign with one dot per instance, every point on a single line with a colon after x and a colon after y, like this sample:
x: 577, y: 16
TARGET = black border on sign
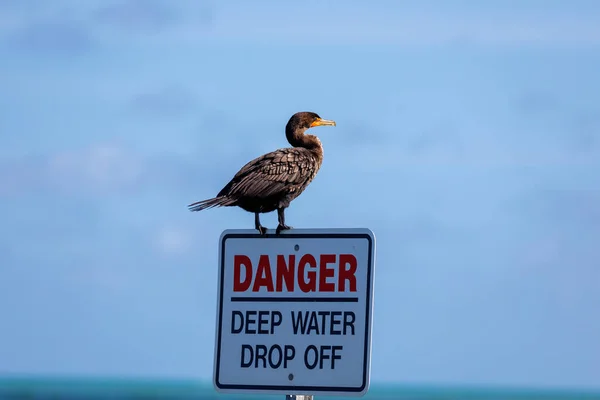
x: 307, y: 389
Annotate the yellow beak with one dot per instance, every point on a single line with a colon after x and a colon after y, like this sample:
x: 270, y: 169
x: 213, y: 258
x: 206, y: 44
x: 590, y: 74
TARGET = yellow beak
x: 322, y: 122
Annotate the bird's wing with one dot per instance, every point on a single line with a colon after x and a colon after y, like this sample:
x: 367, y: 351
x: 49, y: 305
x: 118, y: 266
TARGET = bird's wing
x: 274, y: 173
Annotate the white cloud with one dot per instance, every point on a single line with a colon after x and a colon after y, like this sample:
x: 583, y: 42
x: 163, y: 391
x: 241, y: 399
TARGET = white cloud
x: 106, y: 169
x: 98, y: 167
x: 171, y: 240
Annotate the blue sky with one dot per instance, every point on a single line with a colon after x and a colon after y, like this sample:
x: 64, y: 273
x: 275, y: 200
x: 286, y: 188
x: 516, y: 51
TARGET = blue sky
x: 468, y: 140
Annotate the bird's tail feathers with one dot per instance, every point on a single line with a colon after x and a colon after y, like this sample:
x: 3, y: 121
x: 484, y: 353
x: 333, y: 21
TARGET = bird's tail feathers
x: 210, y: 203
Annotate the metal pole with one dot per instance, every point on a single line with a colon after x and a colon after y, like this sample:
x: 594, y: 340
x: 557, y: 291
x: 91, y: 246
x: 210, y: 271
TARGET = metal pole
x: 298, y: 397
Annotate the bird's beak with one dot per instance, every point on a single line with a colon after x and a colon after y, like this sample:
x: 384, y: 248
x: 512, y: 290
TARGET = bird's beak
x: 322, y: 122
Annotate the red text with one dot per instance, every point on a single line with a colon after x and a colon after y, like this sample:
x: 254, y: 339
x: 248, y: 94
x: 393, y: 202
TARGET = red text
x: 280, y: 273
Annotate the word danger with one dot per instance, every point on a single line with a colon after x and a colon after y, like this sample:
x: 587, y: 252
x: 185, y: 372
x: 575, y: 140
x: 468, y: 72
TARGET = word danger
x: 320, y: 273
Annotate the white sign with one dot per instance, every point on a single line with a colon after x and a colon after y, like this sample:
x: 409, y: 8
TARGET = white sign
x: 294, y: 312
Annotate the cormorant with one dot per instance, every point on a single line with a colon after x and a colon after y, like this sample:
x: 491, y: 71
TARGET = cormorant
x: 271, y: 181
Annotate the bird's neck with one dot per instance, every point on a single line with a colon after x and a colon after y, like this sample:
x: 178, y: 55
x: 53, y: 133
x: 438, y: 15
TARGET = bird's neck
x: 298, y: 138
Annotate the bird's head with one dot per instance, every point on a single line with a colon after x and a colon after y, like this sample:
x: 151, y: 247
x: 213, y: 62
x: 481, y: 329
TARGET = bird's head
x: 305, y: 120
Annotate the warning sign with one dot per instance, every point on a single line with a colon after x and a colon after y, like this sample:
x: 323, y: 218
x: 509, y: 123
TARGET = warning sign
x: 294, y: 312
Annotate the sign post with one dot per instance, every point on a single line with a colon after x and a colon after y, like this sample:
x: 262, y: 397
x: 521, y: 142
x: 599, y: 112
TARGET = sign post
x: 294, y: 312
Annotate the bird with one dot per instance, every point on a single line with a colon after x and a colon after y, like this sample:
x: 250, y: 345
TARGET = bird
x: 272, y: 181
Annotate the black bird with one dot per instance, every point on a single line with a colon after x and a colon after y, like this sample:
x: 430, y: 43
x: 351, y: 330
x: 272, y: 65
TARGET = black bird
x: 271, y: 181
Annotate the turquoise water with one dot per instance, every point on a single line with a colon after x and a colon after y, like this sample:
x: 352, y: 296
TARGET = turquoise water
x: 57, y: 389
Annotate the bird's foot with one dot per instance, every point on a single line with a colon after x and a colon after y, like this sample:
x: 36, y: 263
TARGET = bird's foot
x: 281, y: 227
x: 262, y: 230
